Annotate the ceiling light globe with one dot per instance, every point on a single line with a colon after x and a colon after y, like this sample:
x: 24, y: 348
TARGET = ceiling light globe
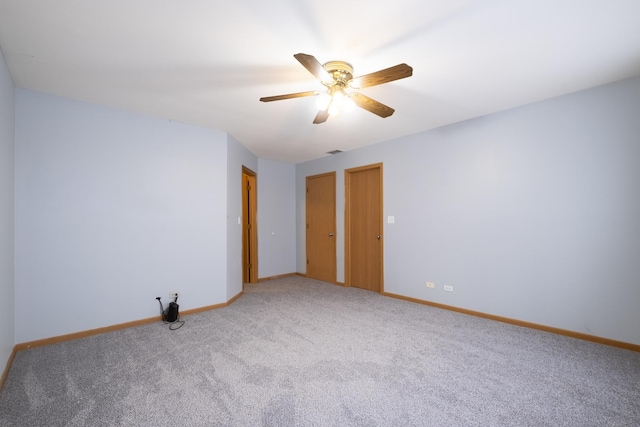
x: 323, y: 101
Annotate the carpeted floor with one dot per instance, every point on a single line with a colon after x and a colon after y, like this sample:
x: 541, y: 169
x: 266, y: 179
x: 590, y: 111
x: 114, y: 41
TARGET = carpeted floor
x: 298, y: 352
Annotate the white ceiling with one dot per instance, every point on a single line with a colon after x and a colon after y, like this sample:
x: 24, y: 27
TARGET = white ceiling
x: 207, y: 62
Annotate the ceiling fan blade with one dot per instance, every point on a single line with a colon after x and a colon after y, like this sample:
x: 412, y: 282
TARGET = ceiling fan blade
x: 321, y: 117
x: 288, y: 96
x: 313, y: 66
x: 371, y: 105
x: 387, y: 75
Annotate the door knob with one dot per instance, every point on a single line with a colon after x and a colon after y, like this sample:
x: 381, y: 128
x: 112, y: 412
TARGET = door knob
x: 378, y: 237
x: 330, y: 234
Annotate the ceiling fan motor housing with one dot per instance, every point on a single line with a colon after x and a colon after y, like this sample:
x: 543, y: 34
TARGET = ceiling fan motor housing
x: 342, y: 72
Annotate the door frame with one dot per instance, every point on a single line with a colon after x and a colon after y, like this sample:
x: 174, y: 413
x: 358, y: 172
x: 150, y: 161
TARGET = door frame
x: 347, y: 221
x: 249, y: 226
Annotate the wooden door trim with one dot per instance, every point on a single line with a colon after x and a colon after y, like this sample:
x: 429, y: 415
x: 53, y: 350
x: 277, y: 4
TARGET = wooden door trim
x: 320, y: 175
x: 253, y: 236
x: 347, y: 226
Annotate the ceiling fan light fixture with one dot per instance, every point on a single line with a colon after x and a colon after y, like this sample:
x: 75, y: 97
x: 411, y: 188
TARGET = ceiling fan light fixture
x: 337, y: 103
x: 323, y: 101
x: 337, y: 76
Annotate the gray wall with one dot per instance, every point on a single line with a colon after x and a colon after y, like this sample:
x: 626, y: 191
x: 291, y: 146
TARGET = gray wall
x: 113, y: 209
x: 7, y: 130
x: 237, y: 156
x: 530, y: 213
x: 276, y: 218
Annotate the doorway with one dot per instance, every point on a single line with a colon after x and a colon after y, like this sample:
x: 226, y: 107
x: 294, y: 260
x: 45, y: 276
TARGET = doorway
x: 364, y: 243
x: 249, y: 227
x: 321, y: 226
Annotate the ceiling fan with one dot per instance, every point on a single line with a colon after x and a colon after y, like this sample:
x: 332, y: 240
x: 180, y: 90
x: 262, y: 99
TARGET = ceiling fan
x: 337, y: 76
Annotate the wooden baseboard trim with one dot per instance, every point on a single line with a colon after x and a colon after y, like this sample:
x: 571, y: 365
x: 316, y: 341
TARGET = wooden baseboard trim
x: 530, y: 325
x: 204, y: 308
x: 233, y: 299
x: 84, y: 334
x: 305, y: 276
x: 97, y: 331
x: 212, y: 307
x: 279, y: 276
x: 7, y: 366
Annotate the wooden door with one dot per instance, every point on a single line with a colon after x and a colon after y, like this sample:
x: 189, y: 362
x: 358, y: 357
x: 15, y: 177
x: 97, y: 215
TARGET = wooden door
x: 363, y: 228
x: 321, y: 227
x: 249, y: 227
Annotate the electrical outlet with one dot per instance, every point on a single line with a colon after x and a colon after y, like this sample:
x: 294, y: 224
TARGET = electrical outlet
x: 173, y: 295
x: 431, y: 285
x: 448, y: 288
